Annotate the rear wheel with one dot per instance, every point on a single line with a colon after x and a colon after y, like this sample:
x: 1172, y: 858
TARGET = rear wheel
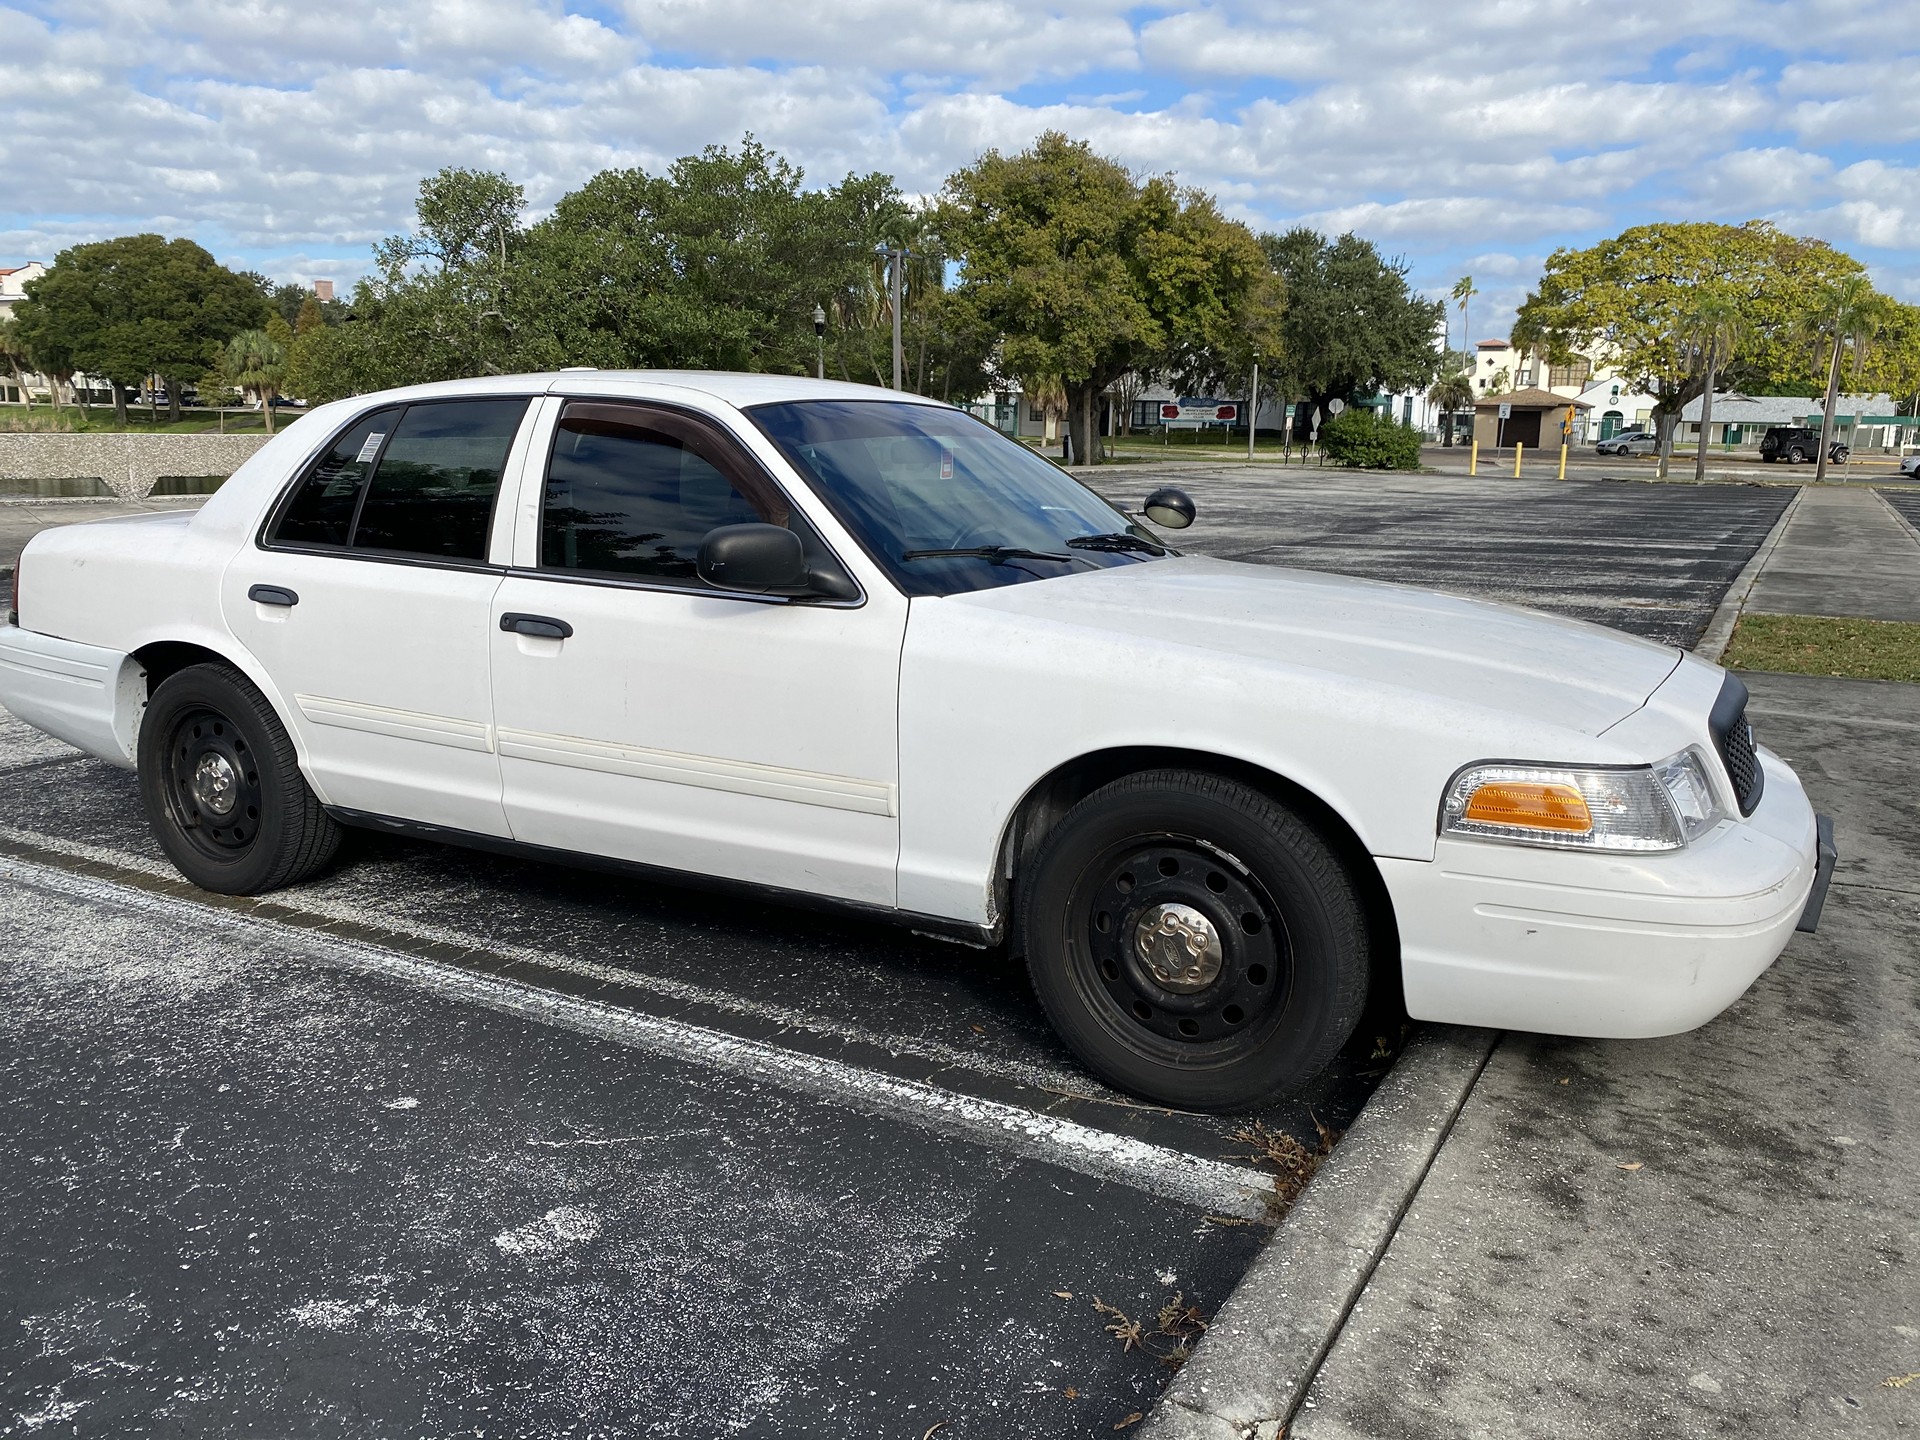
x: 222, y: 788
x: 1193, y: 941
x: 1796, y: 456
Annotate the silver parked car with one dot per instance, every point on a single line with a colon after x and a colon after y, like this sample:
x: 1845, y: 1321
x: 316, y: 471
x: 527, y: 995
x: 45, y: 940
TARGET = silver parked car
x: 1629, y: 442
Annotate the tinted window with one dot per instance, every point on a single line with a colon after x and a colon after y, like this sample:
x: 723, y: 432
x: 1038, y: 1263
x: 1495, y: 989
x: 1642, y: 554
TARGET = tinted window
x: 629, y: 500
x: 321, y: 512
x: 438, y: 473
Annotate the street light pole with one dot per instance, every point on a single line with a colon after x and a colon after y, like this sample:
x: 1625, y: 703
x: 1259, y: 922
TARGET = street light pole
x: 820, y: 341
x: 1253, y: 404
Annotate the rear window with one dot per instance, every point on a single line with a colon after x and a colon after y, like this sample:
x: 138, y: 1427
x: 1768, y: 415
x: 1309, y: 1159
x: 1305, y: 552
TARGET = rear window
x: 415, y: 481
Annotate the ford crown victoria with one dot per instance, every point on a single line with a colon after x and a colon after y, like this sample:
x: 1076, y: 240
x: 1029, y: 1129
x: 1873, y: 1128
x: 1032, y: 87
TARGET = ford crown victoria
x: 858, y: 648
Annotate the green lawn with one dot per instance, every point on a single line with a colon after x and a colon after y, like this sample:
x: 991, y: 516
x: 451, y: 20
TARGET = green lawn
x: 1821, y: 645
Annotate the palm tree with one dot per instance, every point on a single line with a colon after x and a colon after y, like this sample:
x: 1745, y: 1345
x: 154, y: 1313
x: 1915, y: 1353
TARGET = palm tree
x: 1461, y: 293
x: 13, y: 354
x: 1450, y: 393
x: 1847, y: 314
x: 1714, y: 328
x: 254, y: 361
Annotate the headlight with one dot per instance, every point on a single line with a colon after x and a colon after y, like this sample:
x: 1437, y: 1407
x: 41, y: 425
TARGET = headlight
x: 1643, y: 808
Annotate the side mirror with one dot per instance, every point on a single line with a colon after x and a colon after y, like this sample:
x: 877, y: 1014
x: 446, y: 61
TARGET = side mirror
x: 1169, y: 508
x: 754, y: 558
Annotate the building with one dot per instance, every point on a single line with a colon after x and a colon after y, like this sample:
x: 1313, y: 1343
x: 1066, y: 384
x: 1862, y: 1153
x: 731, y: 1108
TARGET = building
x: 1864, y: 422
x: 13, y: 283
x: 1536, y: 418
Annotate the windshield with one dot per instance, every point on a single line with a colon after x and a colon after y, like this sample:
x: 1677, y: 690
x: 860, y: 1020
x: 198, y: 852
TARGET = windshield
x: 917, y: 483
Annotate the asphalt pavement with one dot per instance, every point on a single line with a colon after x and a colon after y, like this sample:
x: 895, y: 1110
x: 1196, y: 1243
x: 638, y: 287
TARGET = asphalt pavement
x: 447, y: 1144
x: 1650, y: 559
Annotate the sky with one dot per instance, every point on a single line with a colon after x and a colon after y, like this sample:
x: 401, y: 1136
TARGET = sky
x: 1468, y: 139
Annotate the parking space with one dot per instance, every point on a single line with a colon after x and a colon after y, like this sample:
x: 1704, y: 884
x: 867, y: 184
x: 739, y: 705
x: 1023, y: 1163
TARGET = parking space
x: 444, y: 1143
x: 1650, y: 559
x: 1907, y: 502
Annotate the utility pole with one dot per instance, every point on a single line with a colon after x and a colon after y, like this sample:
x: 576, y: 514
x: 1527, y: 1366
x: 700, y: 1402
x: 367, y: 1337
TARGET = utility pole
x: 894, y: 259
x: 1253, y: 404
x: 820, y: 342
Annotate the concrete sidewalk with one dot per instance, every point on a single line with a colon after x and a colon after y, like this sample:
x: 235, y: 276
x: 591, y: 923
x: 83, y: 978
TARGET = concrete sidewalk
x: 1713, y: 1234
x: 1844, y: 552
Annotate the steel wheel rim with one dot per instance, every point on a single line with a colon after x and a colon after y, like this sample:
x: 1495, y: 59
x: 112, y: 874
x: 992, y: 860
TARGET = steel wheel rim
x: 1116, y: 899
x: 213, y: 784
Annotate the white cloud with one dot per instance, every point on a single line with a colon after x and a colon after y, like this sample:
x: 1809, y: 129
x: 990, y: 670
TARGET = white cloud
x: 291, y: 136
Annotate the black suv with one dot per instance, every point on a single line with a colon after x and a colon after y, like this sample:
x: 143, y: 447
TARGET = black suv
x: 1796, y: 444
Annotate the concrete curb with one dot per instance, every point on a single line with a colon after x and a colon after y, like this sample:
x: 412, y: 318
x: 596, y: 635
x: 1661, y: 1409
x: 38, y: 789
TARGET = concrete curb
x: 1250, y: 1372
x: 1719, y: 632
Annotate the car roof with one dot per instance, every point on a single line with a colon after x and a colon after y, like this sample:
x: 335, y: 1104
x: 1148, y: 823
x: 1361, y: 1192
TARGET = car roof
x: 729, y: 387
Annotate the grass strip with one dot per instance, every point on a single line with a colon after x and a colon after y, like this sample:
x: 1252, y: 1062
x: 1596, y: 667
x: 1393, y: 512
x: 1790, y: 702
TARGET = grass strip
x: 1822, y: 645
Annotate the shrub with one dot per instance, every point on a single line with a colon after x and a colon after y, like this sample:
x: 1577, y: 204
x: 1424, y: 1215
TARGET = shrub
x: 1365, y: 440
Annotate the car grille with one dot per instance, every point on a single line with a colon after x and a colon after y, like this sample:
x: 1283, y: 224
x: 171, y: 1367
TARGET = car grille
x: 1733, y: 738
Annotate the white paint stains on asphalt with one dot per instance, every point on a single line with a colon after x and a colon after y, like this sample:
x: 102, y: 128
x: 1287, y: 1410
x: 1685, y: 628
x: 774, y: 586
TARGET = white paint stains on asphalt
x: 559, y: 1229
x: 1036, y: 1075
x: 1214, y: 1186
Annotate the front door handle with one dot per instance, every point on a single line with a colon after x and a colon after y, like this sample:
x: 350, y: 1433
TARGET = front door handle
x: 273, y: 595
x: 545, y: 626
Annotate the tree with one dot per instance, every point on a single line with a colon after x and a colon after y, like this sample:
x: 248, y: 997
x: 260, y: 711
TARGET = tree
x: 1461, y: 293
x: 1352, y: 327
x: 1847, y: 315
x: 1713, y: 329
x: 1451, y: 393
x: 137, y: 306
x: 1632, y: 299
x: 1086, y: 274
x: 310, y: 317
x: 17, y: 357
x: 255, y: 361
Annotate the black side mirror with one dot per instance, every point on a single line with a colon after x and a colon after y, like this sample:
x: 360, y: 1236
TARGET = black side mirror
x: 758, y: 559
x: 1169, y: 508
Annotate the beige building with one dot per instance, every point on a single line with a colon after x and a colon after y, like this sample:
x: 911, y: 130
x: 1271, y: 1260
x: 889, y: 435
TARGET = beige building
x: 1536, y: 419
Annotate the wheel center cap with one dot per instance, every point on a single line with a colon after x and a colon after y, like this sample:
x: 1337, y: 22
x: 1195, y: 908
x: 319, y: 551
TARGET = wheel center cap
x: 214, y: 783
x: 1179, y: 947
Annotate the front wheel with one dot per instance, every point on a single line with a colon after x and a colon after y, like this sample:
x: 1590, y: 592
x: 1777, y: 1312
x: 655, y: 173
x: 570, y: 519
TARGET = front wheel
x: 222, y: 788
x: 1193, y: 941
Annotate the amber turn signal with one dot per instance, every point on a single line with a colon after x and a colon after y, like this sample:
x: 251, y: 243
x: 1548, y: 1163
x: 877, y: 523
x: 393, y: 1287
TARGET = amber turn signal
x: 1530, y: 805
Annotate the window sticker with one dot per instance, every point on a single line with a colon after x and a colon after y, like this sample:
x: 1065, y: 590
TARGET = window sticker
x: 371, y: 448
x: 946, y: 463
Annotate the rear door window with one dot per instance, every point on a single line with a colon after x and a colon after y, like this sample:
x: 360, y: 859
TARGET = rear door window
x: 433, y: 490
x: 419, y: 480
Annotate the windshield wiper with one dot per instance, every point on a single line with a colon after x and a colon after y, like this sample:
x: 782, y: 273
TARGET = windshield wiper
x: 998, y: 554
x: 1117, y: 540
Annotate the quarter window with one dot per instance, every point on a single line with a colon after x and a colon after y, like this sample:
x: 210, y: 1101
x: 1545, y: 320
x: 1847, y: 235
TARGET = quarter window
x: 321, y: 511
x: 626, y: 498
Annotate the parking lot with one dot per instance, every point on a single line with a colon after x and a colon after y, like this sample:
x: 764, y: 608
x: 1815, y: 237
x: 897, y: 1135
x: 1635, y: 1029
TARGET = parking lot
x: 450, y: 1144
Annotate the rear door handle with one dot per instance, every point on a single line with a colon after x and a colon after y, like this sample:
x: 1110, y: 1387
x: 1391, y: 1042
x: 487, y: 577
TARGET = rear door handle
x: 545, y: 626
x: 273, y: 595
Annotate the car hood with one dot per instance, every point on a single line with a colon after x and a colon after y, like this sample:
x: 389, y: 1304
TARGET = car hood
x: 1475, y: 652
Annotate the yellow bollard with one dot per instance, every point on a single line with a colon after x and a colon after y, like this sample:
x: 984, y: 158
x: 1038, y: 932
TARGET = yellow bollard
x: 1473, y: 459
x: 1517, y: 449
x: 1563, y: 459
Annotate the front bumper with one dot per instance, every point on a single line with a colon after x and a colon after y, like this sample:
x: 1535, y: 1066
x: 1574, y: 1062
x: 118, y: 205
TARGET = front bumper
x: 1617, y: 946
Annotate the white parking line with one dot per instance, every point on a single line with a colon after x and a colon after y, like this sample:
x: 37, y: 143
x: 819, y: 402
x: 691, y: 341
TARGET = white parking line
x: 1211, y: 1185
x: 310, y: 900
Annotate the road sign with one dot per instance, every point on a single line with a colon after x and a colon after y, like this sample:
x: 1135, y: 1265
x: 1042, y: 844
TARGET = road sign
x: 1506, y: 410
x: 1334, y: 407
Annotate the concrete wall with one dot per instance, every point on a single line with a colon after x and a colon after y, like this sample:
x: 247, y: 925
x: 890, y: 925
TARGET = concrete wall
x: 129, y: 465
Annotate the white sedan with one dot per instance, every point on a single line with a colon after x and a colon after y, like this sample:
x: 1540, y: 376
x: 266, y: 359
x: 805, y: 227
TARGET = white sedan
x: 851, y: 647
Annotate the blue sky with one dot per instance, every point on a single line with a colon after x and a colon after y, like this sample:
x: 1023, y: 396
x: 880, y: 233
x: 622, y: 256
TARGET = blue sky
x: 1467, y: 138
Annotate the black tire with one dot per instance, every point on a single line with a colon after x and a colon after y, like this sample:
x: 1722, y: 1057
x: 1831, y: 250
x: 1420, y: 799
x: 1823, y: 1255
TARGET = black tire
x: 1796, y: 456
x: 223, y: 789
x: 1280, y: 967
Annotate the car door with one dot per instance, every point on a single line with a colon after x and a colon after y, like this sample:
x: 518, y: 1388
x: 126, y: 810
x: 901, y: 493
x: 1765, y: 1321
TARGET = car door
x: 644, y: 715
x: 367, y: 600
